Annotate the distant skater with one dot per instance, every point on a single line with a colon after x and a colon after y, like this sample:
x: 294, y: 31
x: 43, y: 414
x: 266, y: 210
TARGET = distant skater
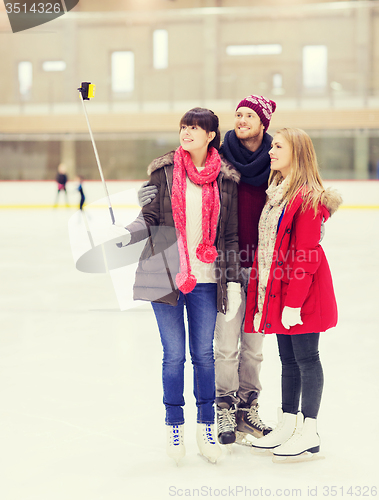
x: 61, y: 179
x: 79, y: 180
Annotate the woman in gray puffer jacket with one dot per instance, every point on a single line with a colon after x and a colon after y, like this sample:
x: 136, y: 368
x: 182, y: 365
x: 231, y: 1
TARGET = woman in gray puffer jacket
x: 190, y: 259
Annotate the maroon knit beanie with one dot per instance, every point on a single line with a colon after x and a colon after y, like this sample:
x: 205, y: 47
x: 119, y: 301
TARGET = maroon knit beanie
x: 261, y: 106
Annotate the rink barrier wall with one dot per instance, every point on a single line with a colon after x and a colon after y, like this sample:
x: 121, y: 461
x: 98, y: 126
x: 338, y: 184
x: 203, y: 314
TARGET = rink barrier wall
x: 356, y: 194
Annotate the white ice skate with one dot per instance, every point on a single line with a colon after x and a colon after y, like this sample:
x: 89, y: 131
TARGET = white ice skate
x: 302, y: 446
x: 282, y: 432
x: 205, y: 436
x: 175, y: 442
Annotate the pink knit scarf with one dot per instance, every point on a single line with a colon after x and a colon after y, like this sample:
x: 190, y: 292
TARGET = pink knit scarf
x: 207, y: 178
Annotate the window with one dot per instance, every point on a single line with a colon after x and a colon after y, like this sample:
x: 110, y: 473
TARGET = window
x: 160, y: 49
x: 53, y: 65
x: 277, y: 84
x: 25, y: 78
x: 122, y: 71
x: 254, y: 50
x: 277, y: 81
x: 315, y: 66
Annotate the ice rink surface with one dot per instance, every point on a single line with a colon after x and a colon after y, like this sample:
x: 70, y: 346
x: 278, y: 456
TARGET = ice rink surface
x: 81, y: 413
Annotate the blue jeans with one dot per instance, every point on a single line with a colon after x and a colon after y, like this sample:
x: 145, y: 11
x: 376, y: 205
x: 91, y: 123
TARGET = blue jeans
x: 201, y: 305
x: 301, y: 373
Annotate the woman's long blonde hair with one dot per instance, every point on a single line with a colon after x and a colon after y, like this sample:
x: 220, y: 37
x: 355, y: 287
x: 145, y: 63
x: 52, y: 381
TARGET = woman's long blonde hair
x: 304, y: 173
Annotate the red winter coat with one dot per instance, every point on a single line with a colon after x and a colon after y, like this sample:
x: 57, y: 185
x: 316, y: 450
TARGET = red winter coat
x: 299, y: 275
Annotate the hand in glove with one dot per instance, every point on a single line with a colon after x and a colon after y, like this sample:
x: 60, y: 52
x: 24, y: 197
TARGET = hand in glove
x: 291, y: 317
x: 234, y: 300
x: 146, y: 194
x: 120, y: 232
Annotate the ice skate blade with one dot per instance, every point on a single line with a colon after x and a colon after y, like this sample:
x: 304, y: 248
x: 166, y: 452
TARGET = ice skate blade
x: 261, y: 452
x: 177, y: 460
x: 242, y: 440
x: 303, y: 457
x: 208, y: 459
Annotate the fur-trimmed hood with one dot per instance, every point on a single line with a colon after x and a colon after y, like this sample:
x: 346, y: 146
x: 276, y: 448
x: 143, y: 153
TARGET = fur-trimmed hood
x: 227, y: 169
x: 331, y: 199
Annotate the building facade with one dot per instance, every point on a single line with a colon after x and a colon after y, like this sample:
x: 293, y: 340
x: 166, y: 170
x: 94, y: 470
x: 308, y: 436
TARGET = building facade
x: 152, y: 60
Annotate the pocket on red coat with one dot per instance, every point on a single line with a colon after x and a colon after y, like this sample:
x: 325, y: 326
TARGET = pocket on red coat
x: 309, y: 306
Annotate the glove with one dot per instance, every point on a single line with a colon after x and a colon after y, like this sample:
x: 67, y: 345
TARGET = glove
x: 291, y: 317
x: 121, y: 233
x: 234, y: 299
x: 146, y: 194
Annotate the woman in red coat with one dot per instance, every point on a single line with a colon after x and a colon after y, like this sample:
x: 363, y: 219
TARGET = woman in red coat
x: 291, y: 290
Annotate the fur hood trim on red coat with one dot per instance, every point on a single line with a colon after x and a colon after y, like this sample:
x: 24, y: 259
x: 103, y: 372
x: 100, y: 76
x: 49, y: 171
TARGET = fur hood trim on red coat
x: 227, y: 169
x: 331, y: 199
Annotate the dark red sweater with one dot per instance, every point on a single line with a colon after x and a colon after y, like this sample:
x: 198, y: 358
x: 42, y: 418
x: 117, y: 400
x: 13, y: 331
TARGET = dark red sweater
x: 251, y: 200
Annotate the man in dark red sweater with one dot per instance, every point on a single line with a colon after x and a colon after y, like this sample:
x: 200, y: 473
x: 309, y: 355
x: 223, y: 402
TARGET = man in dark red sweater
x: 238, y: 355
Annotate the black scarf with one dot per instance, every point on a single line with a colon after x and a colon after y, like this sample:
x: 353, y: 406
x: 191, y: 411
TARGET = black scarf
x: 254, y: 167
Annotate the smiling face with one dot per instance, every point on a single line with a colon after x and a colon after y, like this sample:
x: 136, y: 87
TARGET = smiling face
x: 194, y: 138
x: 247, y: 124
x: 281, y: 155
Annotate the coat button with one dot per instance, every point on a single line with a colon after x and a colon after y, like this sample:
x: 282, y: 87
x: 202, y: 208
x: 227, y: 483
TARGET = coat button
x: 272, y: 296
x: 288, y: 230
x: 280, y: 263
x: 268, y: 325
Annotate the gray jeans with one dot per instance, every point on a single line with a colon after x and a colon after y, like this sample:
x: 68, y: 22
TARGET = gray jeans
x: 238, y: 355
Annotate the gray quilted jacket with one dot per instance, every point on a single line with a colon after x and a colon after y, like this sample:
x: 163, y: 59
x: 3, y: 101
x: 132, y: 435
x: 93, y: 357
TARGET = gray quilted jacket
x: 159, y: 262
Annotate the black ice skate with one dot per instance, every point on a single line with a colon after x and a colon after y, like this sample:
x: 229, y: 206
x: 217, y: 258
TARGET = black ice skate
x: 249, y: 421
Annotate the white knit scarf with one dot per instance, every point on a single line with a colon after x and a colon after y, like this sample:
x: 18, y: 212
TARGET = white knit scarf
x: 268, y: 228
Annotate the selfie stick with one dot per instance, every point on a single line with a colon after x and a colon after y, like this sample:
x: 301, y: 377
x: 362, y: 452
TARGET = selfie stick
x: 87, y: 91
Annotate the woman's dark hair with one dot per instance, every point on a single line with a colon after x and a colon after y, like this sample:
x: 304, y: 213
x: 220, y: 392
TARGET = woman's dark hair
x: 205, y: 119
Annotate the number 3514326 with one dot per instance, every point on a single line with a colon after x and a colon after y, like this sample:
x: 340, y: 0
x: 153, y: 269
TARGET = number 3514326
x: 35, y: 8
